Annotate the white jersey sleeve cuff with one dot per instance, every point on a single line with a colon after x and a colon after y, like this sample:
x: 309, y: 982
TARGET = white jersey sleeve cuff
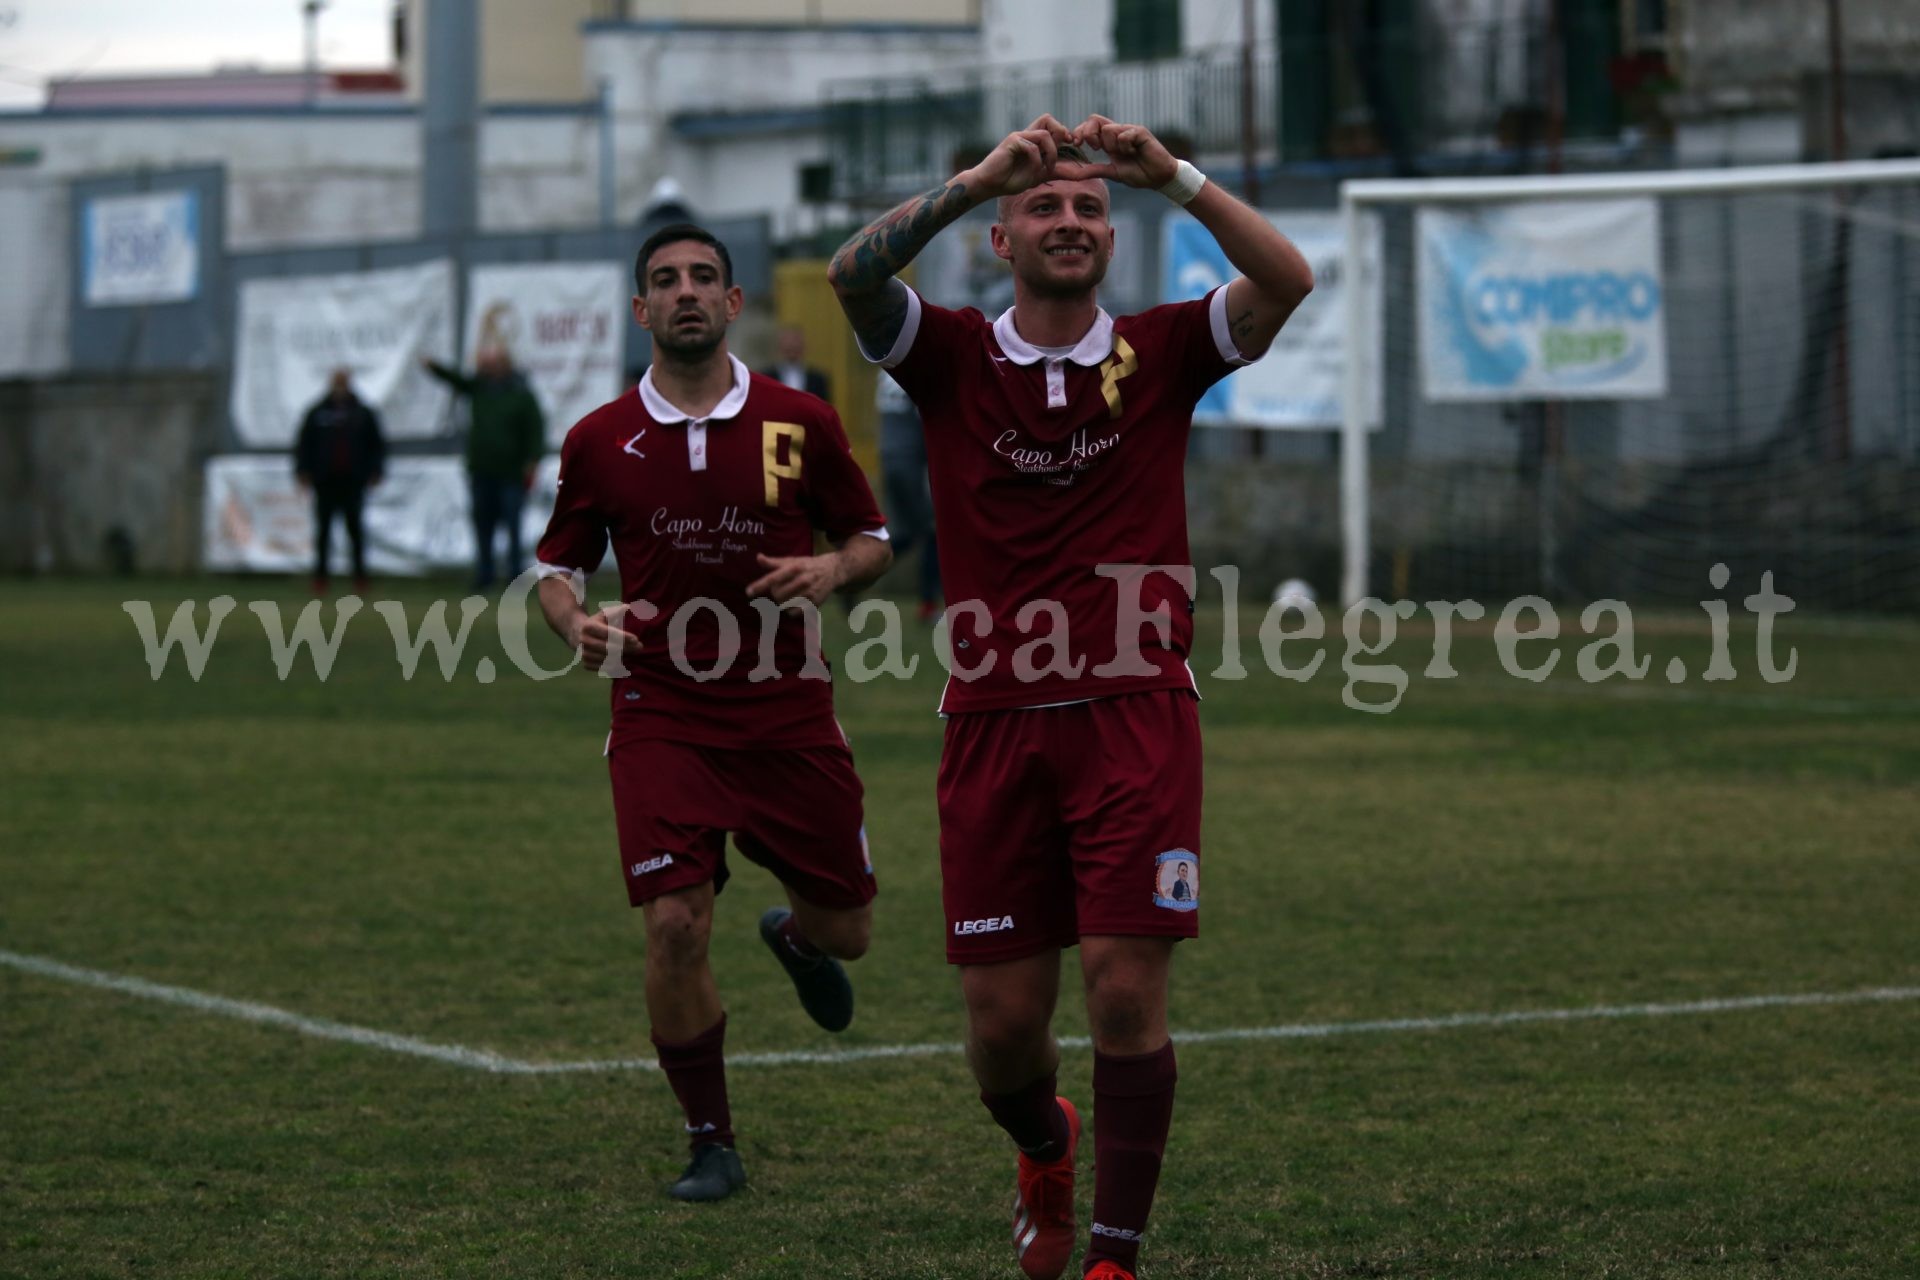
x: 1222, y: 335
x: 901, y: 344
x: 542, y: 571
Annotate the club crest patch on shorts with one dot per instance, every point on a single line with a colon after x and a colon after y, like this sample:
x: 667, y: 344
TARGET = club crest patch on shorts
x: 1176, y: 880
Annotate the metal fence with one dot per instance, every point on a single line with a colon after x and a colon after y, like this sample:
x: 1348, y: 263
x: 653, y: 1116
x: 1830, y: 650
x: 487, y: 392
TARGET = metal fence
x: 1422, y: 93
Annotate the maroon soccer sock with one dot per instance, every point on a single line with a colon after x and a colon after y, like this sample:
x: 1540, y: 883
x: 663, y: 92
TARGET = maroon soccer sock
x: 789, y: 932
x: 1032, y: 1118
x: 697, y: 1070
x: 1132, y: 1110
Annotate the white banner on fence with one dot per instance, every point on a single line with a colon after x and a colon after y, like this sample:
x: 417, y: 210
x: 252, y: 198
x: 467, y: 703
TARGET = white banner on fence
x: 293, y: 332
x: 1297, y: 384
x: 417, y: 519
x: 1544, y: 300
x: 141, y: 249
x: 564, y: 323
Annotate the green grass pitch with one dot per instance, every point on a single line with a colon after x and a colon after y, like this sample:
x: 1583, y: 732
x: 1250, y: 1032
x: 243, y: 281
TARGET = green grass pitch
x: 435, y: 859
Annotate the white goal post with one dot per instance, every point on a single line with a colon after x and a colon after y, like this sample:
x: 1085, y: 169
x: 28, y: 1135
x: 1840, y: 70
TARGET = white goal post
x: 1357, y: 197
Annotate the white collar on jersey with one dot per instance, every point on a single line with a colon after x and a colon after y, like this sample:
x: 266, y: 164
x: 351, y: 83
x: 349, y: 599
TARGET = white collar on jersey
x: 664, y: 412
x: 1089, y: 351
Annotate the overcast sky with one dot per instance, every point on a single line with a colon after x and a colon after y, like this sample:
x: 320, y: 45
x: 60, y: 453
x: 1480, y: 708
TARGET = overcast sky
x: 47, y: 39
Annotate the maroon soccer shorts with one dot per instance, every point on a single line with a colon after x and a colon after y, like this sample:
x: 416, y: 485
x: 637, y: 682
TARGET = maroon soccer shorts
x: 795, y: 811
x: 1058, y: 822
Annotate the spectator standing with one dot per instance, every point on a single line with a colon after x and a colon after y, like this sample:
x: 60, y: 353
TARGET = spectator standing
x: 792, y: 367
x: 506, y: 435
x: 903, y: 471
x: 339, y: 455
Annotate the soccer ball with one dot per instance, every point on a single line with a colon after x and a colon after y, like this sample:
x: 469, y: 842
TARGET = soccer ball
x: 1294, y: 593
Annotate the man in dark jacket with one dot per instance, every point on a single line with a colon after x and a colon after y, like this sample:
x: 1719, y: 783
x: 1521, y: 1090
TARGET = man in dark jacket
x: 506, y: 435
x: 792, y: 367
x: 339, y: 456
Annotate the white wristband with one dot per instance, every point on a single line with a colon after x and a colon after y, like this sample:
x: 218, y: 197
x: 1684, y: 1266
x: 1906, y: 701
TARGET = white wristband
x: 1185, y: 185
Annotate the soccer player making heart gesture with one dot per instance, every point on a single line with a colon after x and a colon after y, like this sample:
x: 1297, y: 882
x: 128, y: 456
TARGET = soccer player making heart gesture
x: 1069, y: 783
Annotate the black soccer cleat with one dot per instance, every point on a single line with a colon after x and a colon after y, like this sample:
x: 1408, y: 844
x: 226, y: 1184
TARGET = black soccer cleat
x: 714, y: 1174
x: 825, y: 993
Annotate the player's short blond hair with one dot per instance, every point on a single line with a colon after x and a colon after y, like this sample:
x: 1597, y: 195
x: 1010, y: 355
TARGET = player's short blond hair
x: 1003, y: 207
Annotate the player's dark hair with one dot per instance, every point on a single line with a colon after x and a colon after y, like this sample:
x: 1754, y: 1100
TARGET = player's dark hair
x: 674, y: 234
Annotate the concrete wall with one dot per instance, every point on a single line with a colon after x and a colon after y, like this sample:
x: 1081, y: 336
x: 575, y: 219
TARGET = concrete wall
x: 303, y: 177
x: 1732, y: 46
x: 34, y: 263
x: 657, y: 74
x: 529, y: 52
x: 1019, y: 31
x: 82, y: 458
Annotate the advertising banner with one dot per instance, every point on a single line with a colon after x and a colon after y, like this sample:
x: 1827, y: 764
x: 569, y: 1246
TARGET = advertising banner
x: 563, y: 324
x: 1297, y: 384
x: 292, y: 333
x: 140, y: 249
x: 1543, y: 300
x: 417, y: 519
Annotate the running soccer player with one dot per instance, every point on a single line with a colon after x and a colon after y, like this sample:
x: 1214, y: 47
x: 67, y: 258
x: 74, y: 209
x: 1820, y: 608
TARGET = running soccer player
x: 710, y: 481
x: 1069, y: 787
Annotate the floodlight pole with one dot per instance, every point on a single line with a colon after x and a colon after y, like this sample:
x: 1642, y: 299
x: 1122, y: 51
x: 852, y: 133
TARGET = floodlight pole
x: 1249, y: 112
x: 607, y: 195
x: 450, y: 121
x: 310, y: 11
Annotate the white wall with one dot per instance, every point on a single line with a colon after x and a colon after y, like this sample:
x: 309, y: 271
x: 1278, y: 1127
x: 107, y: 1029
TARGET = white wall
x: 1213, y: 24
x: 302, y: 179
x: 656, y: 75
x: 1017, y: 31
x: 1772, y: 137
x: 34, y: 305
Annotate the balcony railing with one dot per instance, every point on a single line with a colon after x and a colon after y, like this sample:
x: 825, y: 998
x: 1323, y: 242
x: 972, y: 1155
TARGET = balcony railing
x: 1426, y: 93
x: 890, y: 137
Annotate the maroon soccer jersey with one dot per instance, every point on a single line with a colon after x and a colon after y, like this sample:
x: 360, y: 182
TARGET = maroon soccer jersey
x: 688, y: 505
x: 1046, y: 465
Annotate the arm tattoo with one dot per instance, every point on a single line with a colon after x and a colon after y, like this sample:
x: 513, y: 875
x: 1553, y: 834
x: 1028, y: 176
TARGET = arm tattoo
x: 863, y: 270
x: 1244, y: 325
x: 890, y: 241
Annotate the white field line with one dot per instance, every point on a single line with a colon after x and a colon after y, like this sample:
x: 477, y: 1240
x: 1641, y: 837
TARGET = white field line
x: 483, y: 1060
x: 1651, y: 691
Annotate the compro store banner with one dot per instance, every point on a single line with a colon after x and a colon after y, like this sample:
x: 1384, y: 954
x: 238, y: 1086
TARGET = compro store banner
x: 1297, y: 384
x: 141, y: 249
x: 295, y: 331
x: 1543, y: 300
x: 418, y: 518
x: 563, y: 324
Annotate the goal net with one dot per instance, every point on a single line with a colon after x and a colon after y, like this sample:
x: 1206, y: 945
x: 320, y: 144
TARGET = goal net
x: 1603, y: 386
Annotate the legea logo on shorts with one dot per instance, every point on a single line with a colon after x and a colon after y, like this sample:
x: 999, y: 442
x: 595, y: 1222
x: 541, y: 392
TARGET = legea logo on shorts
x: 992, y: 924
x: 660, y: 863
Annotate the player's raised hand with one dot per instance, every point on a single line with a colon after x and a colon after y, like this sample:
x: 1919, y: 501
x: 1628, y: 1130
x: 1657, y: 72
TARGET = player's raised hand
x: 1135, y: 158
x: 790, y: 578
x: 600, y: 639
x: 1025, y: 158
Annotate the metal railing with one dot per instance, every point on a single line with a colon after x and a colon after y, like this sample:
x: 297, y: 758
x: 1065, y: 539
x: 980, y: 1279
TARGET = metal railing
x: 1435, y: 90
x: 892, y: 136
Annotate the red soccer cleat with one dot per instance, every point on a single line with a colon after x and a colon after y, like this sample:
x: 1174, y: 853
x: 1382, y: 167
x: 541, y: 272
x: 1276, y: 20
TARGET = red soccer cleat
x: 1043, y: 1227
x: 1108, y: 1271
